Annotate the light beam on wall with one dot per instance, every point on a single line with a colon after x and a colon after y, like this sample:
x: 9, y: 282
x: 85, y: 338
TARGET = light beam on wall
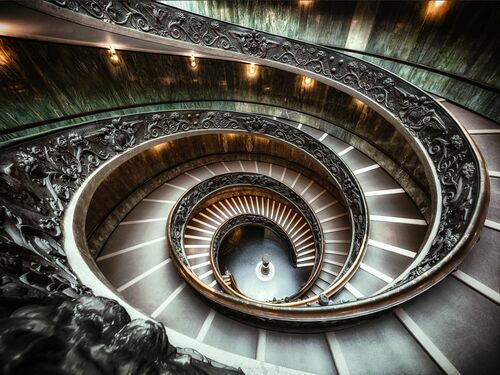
x: 193, y: 63
x: 307, y: 82
x: 113, y: 55
x: 436, y: 8
x: 251, y: 70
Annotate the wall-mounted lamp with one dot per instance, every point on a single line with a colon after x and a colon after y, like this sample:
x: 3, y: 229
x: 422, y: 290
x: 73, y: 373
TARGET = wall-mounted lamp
x: 192, y: 61
x: 307, y: 82
x: 252, y: 70
x: 113, y: 56
x: 436, y: 8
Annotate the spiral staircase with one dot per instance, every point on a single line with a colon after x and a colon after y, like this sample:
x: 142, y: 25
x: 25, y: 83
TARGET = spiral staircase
x: 372, y: 248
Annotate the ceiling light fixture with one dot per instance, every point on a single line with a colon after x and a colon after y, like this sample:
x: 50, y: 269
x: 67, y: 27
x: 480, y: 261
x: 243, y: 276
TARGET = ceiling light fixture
x: 113, y: 56
x: 193, y: 61
x: 252, y: 69
x: 307, y: 82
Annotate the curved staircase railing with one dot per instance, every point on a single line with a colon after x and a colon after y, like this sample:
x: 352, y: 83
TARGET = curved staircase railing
x: 39, y: 177
x: 461, y: 190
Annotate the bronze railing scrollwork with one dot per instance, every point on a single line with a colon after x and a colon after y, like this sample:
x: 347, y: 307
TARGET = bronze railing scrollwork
x: 40, y: 176
x: 460, y: 193
x: 188, y: 203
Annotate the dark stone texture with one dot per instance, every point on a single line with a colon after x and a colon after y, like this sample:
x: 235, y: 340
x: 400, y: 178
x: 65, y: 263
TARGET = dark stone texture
x: 91, y: 335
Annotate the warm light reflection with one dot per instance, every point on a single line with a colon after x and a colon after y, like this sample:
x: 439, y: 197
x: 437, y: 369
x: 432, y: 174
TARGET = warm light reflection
x: 4, y: 55
x: 307, y: 82
x: 436, y: 8
x: 192, y: 61
x: 358, y: 103
x: 113, y: 55
x: 160, y: 148
x: 167, y: 80
x: 252, y: 70
x: 305, y: 3
x: 4, y: 58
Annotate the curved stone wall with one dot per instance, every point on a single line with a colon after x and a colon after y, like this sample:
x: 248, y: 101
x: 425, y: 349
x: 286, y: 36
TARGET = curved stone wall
x: 37, y: 95
x: 455, y: 37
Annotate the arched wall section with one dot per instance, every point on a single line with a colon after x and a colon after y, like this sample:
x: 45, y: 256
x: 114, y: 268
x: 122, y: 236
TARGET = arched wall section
x: 455, y: 37
x: 46, y: 82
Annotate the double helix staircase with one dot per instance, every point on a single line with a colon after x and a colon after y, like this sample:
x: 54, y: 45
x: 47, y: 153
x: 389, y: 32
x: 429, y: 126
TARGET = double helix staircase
x: 135, y: 208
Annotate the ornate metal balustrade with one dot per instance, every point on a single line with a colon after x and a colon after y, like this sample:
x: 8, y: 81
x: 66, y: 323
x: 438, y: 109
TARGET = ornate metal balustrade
x: 186, y: 207
x: 40, y: 177
x: 461, y: 192
x: 191, y: 200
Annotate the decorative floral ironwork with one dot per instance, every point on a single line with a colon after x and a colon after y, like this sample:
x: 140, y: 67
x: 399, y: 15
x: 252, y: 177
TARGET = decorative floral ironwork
x: 253, y: 44
x: 184, y: 209
x: 47, y: 171
x: 455, y: 162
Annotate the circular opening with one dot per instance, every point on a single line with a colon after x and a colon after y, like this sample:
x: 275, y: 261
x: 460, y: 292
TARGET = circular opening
x: 260, y: 262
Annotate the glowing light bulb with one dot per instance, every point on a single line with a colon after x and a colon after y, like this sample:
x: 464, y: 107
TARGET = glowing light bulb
x: 113, y: 56
x: 192, y: 61
x: 252, y: 70
x: 305, y: 3
x: 307, y: 82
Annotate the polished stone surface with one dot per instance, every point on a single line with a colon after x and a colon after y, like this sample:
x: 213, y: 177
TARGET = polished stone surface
x: 242, y: 250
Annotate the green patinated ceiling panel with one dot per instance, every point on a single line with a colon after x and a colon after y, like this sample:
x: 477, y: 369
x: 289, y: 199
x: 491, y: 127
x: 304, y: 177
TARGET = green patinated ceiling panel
x: 463, y: 40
